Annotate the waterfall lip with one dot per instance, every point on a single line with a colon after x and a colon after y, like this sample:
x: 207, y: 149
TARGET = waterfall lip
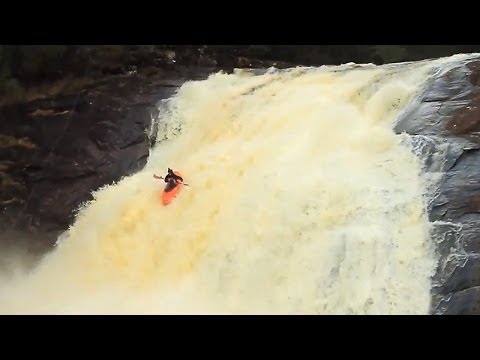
x: 454, y: 60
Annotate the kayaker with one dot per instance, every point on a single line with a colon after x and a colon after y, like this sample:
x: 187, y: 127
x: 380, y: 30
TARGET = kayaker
x: 171, y: 179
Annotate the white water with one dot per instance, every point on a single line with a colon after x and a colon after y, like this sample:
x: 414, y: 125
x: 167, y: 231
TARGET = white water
x: 301, y: 200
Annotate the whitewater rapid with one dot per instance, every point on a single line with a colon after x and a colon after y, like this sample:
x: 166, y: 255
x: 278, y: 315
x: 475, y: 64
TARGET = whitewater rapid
x: 301, y: 200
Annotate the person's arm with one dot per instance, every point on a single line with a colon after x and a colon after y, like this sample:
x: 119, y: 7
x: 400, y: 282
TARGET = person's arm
x: 161, y: 177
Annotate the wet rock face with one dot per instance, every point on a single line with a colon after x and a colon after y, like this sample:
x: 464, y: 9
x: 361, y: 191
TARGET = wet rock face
x: 55, y: 151
x: 448, y: 118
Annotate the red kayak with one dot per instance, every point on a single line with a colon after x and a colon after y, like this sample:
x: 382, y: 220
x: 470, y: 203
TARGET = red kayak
x: 168, y: 195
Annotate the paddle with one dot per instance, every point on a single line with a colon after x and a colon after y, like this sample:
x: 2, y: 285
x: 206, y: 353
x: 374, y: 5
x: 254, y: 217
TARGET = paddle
x: 161, y: 177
